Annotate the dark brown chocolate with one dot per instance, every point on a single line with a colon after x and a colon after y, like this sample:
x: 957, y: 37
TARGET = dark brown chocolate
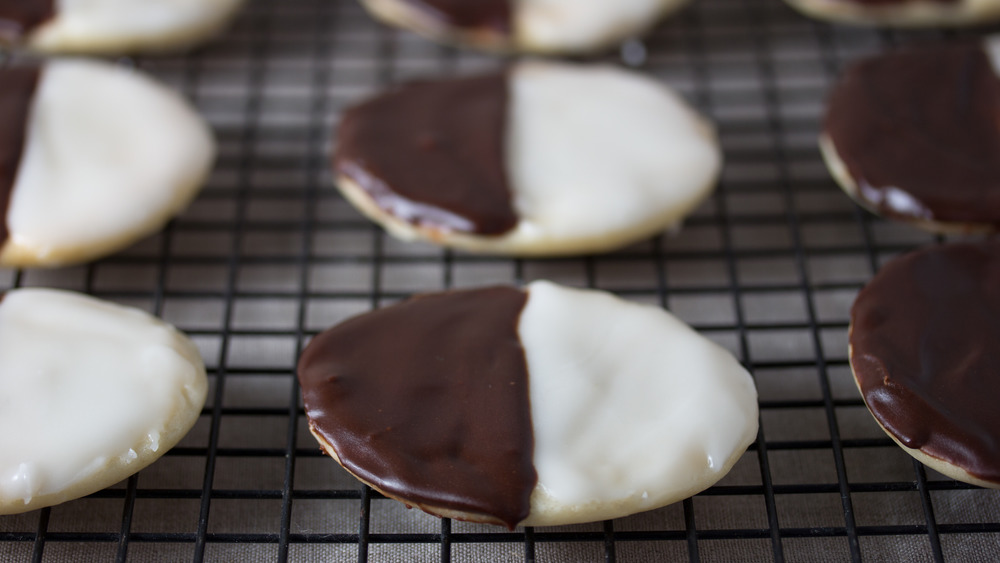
x: 20, y: 17
x: 427, y: 400
x: 493, y: 15
x: 17, y: 90
x: 925, y: 343
x: 431, y: 153
x: 925, y: 122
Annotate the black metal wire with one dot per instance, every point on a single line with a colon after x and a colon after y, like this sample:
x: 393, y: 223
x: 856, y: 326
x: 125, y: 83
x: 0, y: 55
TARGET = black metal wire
x: 776, y: 129
x: 336, y: 46
x: 251, y: 133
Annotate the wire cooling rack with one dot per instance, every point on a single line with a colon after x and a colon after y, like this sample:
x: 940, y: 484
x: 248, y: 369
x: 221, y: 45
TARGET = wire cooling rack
x: 269, y: 255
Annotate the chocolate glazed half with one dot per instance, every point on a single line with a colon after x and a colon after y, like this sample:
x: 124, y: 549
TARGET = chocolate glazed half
x: 17, y: 90
x: 431, y: 153
x: 924, y: 123
x: 494, y: 15
x: 427, y: 401
x: 925, y: 350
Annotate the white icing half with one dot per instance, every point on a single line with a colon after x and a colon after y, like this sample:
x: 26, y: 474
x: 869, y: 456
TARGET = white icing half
x: 110, y: 156
x: 631, y: 408
x: 596, y: 153
x: 116, y: 26
x: 597, y: 157
x: 90, y: 392
x: 582, y: 25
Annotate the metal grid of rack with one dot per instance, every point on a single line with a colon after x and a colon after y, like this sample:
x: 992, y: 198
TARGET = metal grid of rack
x: 270, y: 254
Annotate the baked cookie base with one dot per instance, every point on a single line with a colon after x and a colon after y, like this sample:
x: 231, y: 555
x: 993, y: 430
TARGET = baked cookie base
x: 64, y: 36
x: 939, y: 465
x: 438, y: 511
x: 400, y: 14
x: 18, y: 254
x: 843, y: 178
x: 914, y: 14
x: 171, y: 151
x: 511, y: 244
x: 128, y: 457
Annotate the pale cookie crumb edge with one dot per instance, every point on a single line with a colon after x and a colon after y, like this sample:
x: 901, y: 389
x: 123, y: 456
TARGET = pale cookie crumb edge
x: 838, y: 170
x: 941, y: 466
x: 915, y: 15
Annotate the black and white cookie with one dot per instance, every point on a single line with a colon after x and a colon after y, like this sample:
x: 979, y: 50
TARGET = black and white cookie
x: 92, y: 158
x: 913, y: 135
x: 902, y: 13
x: 925, y: 352
x: 90, y: 393
x: 542, y: 159
x: 542, y: 406
x: 538, y: 26
x: 111, y: 26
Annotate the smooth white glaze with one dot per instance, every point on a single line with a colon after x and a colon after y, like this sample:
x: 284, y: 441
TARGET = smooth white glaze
x: 126, y: 25
x: 110, y: 156
x: 597, y: 151
x: 581, y: 25
x: 631, y: 408
x: 90, y: 392
x: 597, y: 157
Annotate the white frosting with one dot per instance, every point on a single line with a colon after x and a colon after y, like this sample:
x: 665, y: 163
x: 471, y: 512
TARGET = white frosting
x: 109, y: 157
x: 597, y: 157
x: 597, y: 152
x: 90, y: 392
x: 631, y: 408
x: 114, y: 26
x: 580, y: 25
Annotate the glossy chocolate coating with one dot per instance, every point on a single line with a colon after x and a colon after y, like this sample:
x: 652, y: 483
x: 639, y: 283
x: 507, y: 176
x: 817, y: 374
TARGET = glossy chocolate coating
x: 20, y: 17
x: 427, y: 400
x: 493, y: 15
x: 925, y: 350
x: 432, y: 153
x: 919, y: 132
x: 17, y: 90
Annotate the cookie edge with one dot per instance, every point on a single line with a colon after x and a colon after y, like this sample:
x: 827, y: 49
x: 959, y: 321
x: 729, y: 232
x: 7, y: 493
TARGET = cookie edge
x: 941, y: 466
x: 16, y: 254
x: 918, y: 15
x: 838, y: 170
x: 431, y: 509
x: 175, y: 428
x: 398, y: 14
x: 48, y: 40
x: 578, y: 514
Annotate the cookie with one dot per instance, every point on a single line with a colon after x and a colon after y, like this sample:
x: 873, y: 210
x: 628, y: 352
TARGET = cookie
x: 912, y: 135
x: 537, y: 26
x: 902, y: 13
x: 925, y: 352
x: 541, y: 159
x: 95, y: 391
x: 542, y: 406
x: 112, y: 27
x: 92, y: 158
